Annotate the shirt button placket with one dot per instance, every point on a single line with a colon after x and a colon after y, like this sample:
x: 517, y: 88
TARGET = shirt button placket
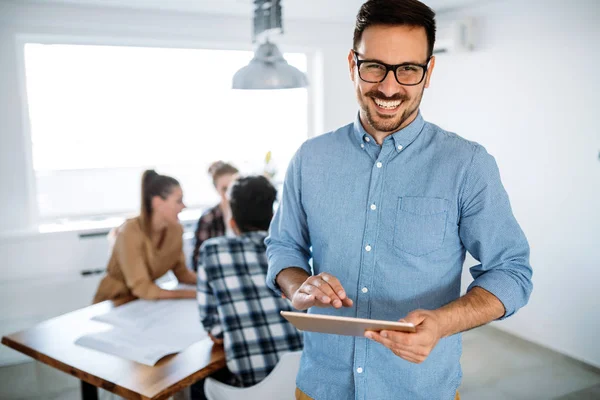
x: 368, y: 265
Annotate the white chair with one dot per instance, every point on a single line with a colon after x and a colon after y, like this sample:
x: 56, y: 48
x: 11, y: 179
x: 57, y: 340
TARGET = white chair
x: 279, y: 384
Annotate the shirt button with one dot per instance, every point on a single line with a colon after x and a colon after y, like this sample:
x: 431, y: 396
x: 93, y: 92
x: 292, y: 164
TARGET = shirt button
x: 400, y: 147
x: 362, y: 145
x: 367, y: 139
x: 373, y: 207
x: 365, y: 290
x: 359, y: 370
x: 379, y: 165
x: 368, y: 248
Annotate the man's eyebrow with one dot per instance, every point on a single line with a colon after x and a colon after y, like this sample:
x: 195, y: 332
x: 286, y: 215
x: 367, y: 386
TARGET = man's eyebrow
x: 383, y: 62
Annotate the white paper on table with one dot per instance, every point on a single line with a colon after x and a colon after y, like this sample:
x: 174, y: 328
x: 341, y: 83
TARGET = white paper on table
x: 122, y: 344
x: 145, y: 331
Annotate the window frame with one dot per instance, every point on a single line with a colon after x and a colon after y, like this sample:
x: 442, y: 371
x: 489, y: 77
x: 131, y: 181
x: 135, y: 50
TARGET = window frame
x: 314, y: 93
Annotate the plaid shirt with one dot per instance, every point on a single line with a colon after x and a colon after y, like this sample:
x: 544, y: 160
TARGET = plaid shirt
x: 235, y: 303
x: 211, y: 224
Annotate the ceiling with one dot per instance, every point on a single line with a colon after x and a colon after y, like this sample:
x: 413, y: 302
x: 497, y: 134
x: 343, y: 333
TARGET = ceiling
x: 325, y: 10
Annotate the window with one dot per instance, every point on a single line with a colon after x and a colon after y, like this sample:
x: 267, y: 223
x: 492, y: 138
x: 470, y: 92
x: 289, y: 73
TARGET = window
x: 100, y: 115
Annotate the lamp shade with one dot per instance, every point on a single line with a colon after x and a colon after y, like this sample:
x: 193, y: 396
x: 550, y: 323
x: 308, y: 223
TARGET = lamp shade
x: 269, y: 70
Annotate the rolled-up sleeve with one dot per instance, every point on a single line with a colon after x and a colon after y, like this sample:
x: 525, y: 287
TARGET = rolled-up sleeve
x: 491, y: 234
x: 288, y: 243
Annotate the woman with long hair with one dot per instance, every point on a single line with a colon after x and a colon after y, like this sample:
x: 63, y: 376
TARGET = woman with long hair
x: 149, y: 245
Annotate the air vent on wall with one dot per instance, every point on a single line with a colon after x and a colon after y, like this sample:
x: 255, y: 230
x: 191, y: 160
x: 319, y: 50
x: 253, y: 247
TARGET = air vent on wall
x: 456, y: 35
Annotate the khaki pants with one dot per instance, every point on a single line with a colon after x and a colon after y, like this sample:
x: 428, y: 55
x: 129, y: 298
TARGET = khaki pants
x: 300, y: 395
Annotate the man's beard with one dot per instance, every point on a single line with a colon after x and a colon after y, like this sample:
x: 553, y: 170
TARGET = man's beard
x: 388, y: 123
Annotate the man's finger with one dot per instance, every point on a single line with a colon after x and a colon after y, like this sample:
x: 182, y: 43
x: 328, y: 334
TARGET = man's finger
x: 379, y: 339
x: 394, y: 347
x: 303, y: 301
x: 321, y: 298
x: 395, y: 340
x: 319, y: 295
x: 335, y: 284
x: 409, y: 343
x: 408, y: 356
x: 401, y: 338
x: 415, y: 317
x: 326, y: 288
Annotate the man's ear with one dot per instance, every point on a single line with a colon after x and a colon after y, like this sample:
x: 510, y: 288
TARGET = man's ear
x: 351, y: 64
x: 234, y: 226
x: 429, y: 71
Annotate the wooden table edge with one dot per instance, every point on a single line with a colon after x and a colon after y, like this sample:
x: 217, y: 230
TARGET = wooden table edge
x: 182, y: 384
x: 110, y: 386
x: 77, y: 373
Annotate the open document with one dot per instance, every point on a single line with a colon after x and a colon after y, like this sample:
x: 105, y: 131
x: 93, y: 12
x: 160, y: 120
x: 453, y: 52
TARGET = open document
x: 145, y: 331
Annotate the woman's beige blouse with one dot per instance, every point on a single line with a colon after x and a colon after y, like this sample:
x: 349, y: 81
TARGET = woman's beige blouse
x: 135, y: 263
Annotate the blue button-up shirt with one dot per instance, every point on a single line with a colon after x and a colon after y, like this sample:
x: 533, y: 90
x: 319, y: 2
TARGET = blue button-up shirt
x: 393, y: 223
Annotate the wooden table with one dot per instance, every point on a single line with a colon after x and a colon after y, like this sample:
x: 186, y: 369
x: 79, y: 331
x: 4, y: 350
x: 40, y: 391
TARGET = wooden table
x: 52, y: 342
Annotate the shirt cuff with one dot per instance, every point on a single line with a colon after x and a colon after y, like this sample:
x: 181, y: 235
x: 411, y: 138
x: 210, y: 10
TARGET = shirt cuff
x: 504, y: 288
x: 279, y: 263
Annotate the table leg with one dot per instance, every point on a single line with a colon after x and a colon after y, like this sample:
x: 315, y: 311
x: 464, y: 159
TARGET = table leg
x: 88, y: 391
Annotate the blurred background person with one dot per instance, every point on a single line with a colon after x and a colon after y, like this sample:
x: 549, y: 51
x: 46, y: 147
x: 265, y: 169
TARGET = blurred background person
x: 212, y: 222
x: 236, y: 307
x: 149, y: 245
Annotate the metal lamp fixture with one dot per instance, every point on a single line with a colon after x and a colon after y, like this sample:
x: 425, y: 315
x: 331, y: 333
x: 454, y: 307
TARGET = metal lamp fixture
x: 268, y: 69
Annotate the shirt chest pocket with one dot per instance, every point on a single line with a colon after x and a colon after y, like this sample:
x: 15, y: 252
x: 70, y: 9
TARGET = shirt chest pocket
x: 420, y: 224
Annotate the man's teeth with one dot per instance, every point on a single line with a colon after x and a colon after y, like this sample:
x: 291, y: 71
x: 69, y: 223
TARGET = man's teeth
x: 387, y: 104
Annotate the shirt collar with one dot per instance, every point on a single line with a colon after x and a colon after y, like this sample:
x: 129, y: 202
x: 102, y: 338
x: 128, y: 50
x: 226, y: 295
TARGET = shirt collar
x: 402, y: 138
x: 256, y: 237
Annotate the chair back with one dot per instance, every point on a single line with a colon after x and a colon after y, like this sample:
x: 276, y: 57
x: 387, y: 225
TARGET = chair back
x: 279, y: 384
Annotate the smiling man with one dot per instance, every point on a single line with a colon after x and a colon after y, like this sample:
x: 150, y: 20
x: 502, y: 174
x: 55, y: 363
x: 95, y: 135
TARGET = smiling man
x: 387, y: 207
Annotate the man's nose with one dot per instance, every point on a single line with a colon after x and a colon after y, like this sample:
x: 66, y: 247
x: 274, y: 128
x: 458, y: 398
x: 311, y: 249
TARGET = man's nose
x: 390, y: 86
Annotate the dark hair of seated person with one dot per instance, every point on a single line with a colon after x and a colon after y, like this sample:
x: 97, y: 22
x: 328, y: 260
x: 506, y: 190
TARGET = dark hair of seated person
x: 251, y: 200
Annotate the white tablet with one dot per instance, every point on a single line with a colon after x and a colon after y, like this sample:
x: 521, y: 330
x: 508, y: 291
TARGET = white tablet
x: 343, y: 325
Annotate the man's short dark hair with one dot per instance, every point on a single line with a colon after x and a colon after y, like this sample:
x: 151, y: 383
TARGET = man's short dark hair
x: 396, y: 12
x: 251, y: 199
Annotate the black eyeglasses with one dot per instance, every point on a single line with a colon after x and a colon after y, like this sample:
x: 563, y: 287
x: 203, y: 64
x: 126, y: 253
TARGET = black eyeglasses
x: 406, y: 74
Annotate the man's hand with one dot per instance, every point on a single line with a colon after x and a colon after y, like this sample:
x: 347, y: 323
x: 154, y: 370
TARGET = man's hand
x: 477, y: 307
x: 215, y: 339
x: 323, y: 290
x: 413, y: 347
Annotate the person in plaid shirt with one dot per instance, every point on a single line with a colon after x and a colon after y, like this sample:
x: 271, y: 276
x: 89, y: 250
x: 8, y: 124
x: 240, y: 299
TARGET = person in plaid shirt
x: 236, y: 306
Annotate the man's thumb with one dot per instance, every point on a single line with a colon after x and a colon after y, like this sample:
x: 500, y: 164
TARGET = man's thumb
x: 414, y: 317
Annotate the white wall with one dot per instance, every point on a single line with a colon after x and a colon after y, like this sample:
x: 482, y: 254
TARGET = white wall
x: 529, y: 94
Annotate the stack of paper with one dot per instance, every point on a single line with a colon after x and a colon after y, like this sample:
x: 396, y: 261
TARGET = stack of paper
x: 146, y: 331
